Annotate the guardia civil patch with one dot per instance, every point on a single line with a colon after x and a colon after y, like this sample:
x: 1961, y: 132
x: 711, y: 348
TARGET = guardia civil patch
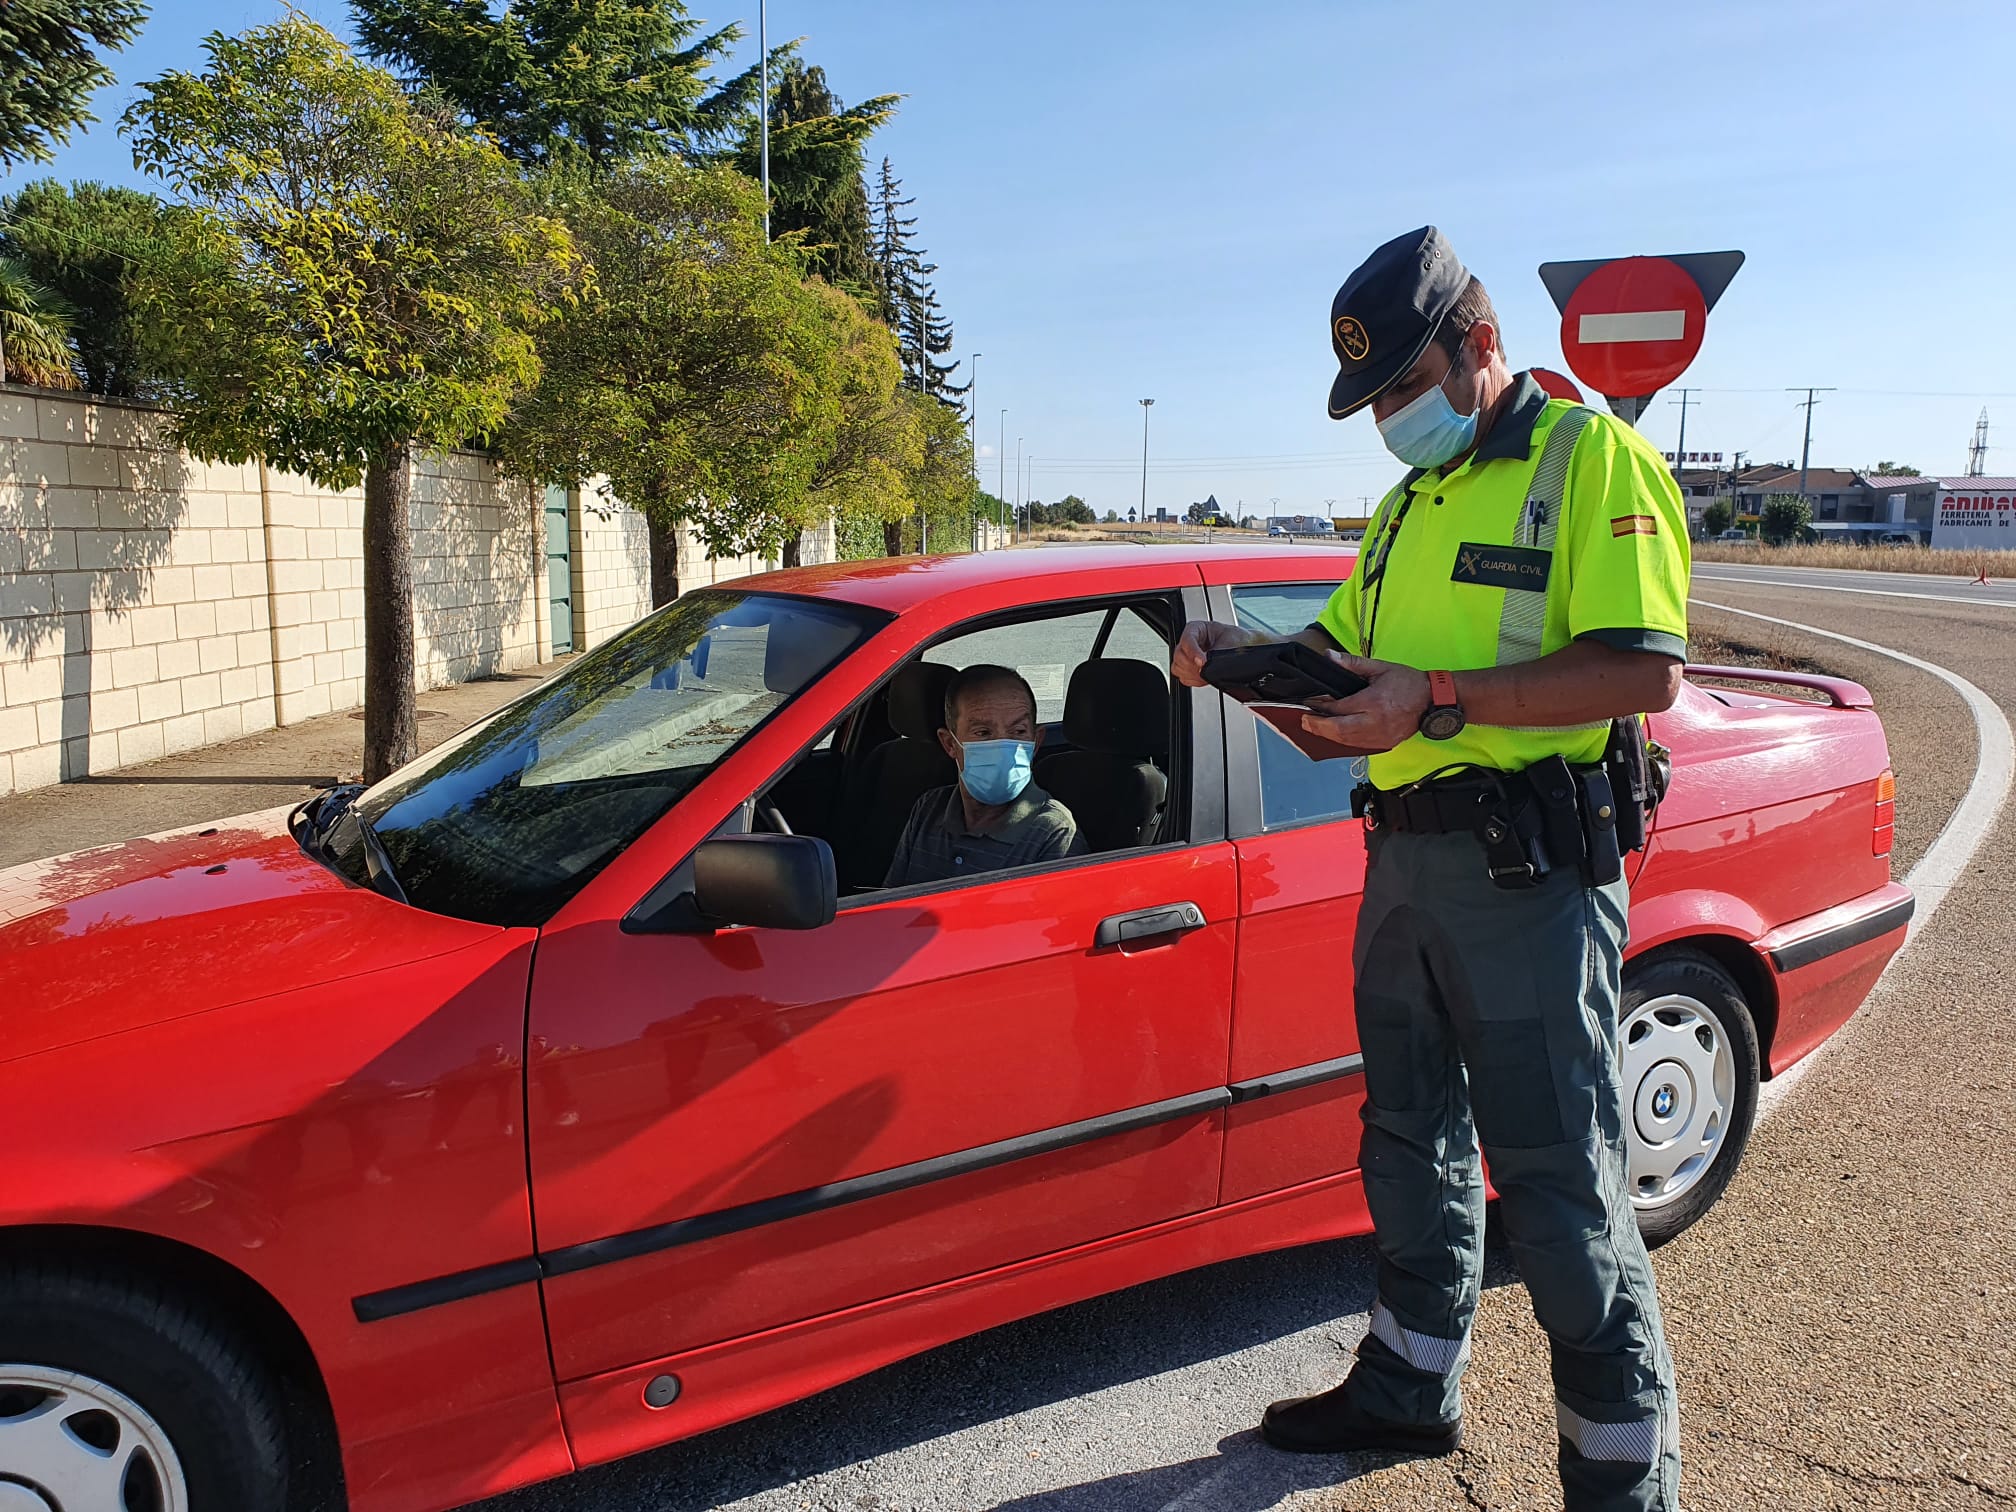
x: 1635, y: 525
x: 1502, y: 566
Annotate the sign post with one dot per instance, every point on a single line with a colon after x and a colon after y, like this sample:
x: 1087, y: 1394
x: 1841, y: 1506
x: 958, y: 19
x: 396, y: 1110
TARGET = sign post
x: 1631, y: 325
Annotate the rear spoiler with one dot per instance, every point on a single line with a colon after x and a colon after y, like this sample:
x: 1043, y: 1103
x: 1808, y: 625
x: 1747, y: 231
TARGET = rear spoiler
x: 1842, y: 693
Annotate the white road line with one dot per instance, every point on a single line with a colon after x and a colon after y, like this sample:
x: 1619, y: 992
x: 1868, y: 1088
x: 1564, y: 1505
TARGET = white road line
x: 1936, y: 598
x: 1945, y: 862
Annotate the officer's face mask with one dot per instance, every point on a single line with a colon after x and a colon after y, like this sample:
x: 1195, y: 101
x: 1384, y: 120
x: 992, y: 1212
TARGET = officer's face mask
x: 995, y: 771
x: 1427, y: 432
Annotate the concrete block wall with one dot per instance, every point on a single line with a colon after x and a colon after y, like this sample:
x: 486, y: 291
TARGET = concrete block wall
x: 151, y: 603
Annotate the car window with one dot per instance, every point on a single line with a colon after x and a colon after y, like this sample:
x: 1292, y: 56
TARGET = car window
x: 1293, y: 789
x: 506, y: 821
x: 1047, y: 651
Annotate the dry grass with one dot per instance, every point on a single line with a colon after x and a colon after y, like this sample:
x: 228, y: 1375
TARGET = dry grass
x: 1969, y: 564
x: 1721, y: 640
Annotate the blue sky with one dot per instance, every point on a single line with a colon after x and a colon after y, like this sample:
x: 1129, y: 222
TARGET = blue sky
x: 1133, y: 200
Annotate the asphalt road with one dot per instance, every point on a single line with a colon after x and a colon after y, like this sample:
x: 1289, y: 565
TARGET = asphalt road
x: 1844, y: 1322
x: 1913, y: 587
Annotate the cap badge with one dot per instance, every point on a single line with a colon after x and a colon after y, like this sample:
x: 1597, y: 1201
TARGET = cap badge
x: 1351, y: 338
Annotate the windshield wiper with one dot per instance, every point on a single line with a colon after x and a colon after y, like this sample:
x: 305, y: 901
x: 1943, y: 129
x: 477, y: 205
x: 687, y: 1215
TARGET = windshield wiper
x: 377, y: 864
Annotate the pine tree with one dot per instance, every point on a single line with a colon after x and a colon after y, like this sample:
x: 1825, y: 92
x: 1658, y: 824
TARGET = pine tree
x: 906, y: 300
x: 816, y: 187
x: 587, y: 82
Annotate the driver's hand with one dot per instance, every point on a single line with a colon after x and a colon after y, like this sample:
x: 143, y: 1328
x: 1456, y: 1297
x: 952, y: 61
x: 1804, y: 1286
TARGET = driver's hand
x: 1200, y: 638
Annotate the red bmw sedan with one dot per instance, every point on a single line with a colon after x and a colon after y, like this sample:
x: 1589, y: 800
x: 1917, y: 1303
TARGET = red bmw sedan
x: 580, y: 1087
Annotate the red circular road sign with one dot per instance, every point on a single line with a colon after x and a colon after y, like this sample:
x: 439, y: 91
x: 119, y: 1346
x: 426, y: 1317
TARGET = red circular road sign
x: 1558, y: 385
x: 1632, y: 326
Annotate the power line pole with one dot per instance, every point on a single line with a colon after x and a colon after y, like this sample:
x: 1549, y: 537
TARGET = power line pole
x: 1806, y: 448
x: 1680, y: 455
x: 1146, y: 405
x: 763, y: 47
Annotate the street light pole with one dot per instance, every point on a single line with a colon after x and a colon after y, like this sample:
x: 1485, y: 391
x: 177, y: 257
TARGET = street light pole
x: 763, y: 47
x: 1017, y: 516
x: 1145, y: 406
x: 973, y: 452
x: 1001, y: 470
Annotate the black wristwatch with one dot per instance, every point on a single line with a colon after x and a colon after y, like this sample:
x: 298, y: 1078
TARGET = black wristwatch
x: 1444, y: 716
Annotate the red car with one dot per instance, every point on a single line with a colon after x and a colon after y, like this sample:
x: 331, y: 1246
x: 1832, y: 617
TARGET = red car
x: 579, y: 1088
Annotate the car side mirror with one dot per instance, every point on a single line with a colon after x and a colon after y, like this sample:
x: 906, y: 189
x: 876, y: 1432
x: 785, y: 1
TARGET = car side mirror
x: 757, y: 881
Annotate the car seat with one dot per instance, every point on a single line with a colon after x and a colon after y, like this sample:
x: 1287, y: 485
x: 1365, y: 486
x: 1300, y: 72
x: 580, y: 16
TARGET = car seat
x: 1116, y: 713
x: 896, y: 773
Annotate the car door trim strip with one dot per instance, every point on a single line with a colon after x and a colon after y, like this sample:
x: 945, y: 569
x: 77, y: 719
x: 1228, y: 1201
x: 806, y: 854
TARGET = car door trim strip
x: 1277, y: 1082
x: 395, y: 1301
x: 374, y: 1307
x: 901, y: 1178
x: 1817, y: 947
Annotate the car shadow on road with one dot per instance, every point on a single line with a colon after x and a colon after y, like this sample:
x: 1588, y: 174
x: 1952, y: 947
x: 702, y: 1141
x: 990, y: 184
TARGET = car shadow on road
x: 1168, y: 1325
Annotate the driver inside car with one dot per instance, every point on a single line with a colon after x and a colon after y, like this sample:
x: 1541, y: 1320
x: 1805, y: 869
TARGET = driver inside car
x: 994, y: 817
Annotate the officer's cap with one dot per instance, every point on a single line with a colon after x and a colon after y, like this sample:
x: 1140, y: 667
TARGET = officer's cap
x: 1387, y: 312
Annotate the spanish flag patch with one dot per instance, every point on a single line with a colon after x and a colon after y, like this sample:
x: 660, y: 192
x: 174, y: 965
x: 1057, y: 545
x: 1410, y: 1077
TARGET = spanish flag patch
x: 1635, y: 525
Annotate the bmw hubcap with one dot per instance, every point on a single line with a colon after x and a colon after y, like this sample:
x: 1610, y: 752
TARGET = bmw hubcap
x: 72, y: 1444
x: 1680, y: 1088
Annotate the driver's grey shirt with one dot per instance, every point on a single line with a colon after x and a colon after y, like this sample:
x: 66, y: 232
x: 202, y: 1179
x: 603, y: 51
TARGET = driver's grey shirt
x: 938, y: 847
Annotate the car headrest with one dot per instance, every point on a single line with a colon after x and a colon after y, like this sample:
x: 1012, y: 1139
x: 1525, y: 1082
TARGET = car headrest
x: 1121, y: 706
x: 917, y: 700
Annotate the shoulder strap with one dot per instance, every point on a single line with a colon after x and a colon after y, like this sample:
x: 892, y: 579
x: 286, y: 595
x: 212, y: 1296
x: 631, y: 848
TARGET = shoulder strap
x: 1523, y: 621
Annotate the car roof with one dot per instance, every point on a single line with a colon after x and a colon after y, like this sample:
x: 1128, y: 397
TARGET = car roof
x: 900, y: 583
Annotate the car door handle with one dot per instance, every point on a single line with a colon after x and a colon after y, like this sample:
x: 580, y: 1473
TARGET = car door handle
x: 1147, y: 924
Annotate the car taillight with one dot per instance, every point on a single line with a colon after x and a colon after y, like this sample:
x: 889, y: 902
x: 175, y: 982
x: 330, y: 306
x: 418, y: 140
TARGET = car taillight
x: 1886, y: 815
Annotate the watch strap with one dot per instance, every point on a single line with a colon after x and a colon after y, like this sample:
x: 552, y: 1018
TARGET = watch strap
x: 1441, y: 690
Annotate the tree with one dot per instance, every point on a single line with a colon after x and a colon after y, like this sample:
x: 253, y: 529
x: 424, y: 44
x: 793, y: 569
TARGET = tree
x: 1895, y: 470
x: 83, y: 243
x: 1783, y: 517
x: 1717, y: 517
x: 49, y: 67
x: 1112, y: 517
x: 700, y: 375
x: 817, y: 197
x: 940, y: 484
x: 353, y: 278
x: 1072, y: 510
x: 589, y: 83
x: 35, y: 330
x: 906, y: 301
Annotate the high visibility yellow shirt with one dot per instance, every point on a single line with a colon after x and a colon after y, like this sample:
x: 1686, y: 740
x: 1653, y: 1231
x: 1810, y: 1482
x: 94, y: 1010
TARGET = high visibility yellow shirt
x: 1468, y: 570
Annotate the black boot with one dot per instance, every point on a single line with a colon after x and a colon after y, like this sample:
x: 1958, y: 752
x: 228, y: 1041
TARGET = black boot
x: 1330, y: 1424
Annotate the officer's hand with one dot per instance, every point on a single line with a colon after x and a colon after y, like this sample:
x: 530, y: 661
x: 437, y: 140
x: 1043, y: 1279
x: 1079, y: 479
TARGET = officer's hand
x: 1202, y: 637
x: 1379, y: 717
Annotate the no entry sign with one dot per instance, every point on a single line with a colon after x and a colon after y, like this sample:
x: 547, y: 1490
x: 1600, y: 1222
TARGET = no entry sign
x: 1630, y: 325
x: 1633, y: 325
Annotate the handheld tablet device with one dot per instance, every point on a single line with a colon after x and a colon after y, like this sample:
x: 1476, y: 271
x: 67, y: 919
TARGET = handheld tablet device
x: 1280, y: 672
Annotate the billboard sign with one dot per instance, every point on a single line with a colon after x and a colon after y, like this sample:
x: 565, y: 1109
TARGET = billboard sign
x: 1974, y: 517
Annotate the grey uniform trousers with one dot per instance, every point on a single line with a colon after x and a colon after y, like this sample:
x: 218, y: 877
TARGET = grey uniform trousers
x: 1490, y: 1014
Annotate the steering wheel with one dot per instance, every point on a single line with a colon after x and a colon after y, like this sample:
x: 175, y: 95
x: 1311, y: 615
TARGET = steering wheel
x: 773, y: 816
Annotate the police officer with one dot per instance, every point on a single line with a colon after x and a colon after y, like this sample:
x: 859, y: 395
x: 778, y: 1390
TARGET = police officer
x: 1519, y: 599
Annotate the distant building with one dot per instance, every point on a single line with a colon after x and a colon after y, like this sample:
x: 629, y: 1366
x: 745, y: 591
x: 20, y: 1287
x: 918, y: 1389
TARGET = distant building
x: 1838, y: 495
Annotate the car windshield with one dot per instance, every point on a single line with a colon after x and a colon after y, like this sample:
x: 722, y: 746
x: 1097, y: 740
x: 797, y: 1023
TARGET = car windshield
x: 506, y: 821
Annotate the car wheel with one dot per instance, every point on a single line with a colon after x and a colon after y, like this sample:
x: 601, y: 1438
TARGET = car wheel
x: 1688, y: 1047
x: 117, y: 1398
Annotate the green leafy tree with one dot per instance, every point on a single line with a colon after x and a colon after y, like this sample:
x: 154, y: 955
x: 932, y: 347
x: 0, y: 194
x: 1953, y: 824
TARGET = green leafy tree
x: 1717, y: 517
x: 354, y: 277
x: 1072, y: 510
x: 50, y: 65
x: 1112, y: 517
x: 817, y: 196
x: 1888, y: 469
x: 35, y: 329
x: 84, y: 242
x: 1784, y: 517
x: 939, y: 483
x: 701, y: 376
x: 589, y: 83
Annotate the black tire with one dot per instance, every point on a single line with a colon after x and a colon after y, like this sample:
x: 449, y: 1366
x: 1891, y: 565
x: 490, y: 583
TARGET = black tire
x: 1683, y: 973
x: 218, y: 1404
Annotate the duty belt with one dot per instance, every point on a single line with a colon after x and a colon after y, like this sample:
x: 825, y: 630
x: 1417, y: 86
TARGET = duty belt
x: 1529, y: 823
x: 1449, y: 808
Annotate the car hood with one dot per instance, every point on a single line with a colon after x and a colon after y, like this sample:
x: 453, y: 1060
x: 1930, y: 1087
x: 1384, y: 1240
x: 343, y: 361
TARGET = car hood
x: 108, y: 940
